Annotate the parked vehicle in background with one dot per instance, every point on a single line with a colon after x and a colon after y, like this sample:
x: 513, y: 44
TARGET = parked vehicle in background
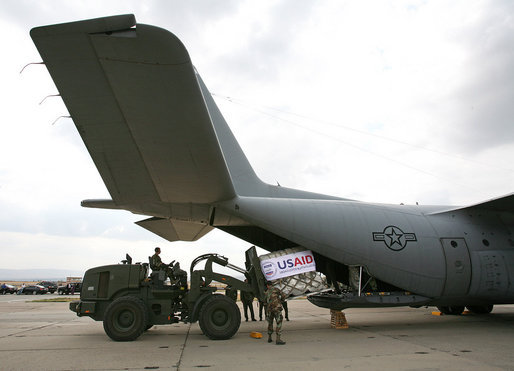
x: 70, y: 288
x: 8, y: 289
x: 51, y: 286
x: 33, y: 290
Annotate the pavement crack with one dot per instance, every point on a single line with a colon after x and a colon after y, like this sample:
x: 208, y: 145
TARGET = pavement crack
x: 30, y: 329
x: 183, y: 348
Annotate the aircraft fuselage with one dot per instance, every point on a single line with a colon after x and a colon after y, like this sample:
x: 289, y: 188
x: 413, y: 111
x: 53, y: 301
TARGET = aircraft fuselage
x: 453, y: 256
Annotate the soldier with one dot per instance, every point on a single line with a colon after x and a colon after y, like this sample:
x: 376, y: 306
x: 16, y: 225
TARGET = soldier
x: 177, y: 276
x: 231, y: 292
x: 157, y: 265
x: 274, y: 299
x: 286, y: 310
x: 247, y: 299
x: 262, y: 306
x: 354, y: 277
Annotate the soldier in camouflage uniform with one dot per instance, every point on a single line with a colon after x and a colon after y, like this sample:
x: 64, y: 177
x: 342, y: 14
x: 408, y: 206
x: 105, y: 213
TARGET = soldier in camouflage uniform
x: 157, y: 265
x: 274, y: 299
x: 286, y: 310
x: 177, y: 276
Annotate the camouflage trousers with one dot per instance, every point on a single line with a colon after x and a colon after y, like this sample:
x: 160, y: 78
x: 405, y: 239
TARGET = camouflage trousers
x: 277, y: 316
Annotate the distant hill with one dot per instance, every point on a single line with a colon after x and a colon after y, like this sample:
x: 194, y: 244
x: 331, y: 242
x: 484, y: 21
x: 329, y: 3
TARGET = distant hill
x: 37, y: 274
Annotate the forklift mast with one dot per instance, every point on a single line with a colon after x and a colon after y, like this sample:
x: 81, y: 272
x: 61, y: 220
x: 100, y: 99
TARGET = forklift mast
x: 255, y: 281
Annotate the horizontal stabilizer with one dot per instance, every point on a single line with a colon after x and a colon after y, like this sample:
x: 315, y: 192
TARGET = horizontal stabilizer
x: 151, y: 126
x: 135, y: 99
x: 100, y: 204
x: 175, y: 230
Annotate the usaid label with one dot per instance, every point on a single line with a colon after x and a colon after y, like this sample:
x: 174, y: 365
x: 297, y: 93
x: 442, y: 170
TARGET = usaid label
x: 288, y: 265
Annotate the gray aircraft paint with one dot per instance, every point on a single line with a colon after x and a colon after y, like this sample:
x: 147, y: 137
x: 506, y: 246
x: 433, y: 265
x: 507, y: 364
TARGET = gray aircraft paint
x: 164, y: 150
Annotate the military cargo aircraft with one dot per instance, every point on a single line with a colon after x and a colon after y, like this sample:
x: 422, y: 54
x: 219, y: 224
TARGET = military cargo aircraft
x: 163, y: 149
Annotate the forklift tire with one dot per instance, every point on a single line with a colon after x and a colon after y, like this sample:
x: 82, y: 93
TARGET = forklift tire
x: 125, y: 319
x: 219, y: 317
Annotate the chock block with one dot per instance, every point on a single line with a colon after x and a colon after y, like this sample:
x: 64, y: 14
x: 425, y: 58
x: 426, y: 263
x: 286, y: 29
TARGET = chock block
x: 338, y: 319
x: 437, y: 314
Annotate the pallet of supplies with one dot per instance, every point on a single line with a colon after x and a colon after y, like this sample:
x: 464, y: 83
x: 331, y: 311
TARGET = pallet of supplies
x: 293, y: 271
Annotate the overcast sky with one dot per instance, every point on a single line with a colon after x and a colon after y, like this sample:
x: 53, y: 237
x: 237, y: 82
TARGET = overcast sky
x: 380, y: 101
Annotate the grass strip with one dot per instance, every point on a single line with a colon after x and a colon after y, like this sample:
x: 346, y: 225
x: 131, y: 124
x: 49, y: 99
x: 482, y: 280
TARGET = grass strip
x: 54, y: 300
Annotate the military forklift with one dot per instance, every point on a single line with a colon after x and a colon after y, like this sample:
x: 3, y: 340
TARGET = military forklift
x: 130, y: 301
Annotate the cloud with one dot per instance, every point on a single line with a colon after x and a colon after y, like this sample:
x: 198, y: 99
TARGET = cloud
x: 483, y: 106
x: 371, y: 86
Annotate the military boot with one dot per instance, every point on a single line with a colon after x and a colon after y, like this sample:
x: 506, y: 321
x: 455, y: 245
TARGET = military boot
x: 269, y: 339
x: 279, y: 342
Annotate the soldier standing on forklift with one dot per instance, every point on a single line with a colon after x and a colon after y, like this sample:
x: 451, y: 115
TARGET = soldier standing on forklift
x: 274, y: 299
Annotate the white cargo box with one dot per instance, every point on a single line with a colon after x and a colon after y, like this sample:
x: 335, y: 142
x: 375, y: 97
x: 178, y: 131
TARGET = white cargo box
x: 279, y: 267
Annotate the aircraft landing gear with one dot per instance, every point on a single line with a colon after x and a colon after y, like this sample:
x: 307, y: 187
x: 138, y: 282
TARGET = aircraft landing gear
x: 453, y: 310
x: 480, y: 309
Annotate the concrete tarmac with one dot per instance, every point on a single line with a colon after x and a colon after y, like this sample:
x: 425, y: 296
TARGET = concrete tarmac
x: 47, y: 336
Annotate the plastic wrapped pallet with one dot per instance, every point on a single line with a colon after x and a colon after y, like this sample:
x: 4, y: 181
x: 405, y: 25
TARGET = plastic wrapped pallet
x: 293, y: 284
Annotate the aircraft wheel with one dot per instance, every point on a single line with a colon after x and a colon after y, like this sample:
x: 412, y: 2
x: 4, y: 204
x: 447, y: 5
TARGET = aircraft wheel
x: 480, y: 309
x: 125, y: 318
x: 453, y: 310
x: 219, y: 317
x: 444, y: 310
x: 456, y: 310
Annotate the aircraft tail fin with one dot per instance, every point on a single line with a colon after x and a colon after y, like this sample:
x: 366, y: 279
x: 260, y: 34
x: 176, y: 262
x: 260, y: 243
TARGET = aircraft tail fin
x: 153, y: 130
x: 244, y: 179
x: 135, y: 99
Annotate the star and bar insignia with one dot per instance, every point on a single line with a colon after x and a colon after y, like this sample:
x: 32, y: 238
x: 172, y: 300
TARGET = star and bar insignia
x: 394, y: 238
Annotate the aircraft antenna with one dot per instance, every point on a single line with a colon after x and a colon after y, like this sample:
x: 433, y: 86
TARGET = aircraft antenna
x: 48, y: 96
x: 260, y: 109
x: 29, y: 65
x: 60, y: 117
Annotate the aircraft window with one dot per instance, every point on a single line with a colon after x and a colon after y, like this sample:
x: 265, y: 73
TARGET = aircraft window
x: 453, y: 243
x: 485, y: 242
